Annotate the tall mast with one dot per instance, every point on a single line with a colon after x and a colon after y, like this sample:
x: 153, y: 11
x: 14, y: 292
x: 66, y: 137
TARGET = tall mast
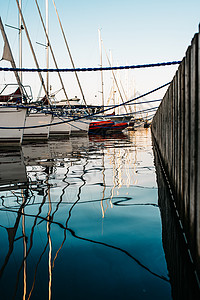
x: 100, y: 48
x: 52, y: 53
x: 20, y: 42
x: 113, y: 84
x: 30, y: 44
x: 115, y: 80
x: 47, y: 45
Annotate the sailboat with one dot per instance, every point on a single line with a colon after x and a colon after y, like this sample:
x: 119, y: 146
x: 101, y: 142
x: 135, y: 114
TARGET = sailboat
x: 20, y: 118
x: 94, y: 125
x: 62, y: 111
x: 36, y: 119
x: 12, y: 116
x: 71, y: 125
x: 119, y: 123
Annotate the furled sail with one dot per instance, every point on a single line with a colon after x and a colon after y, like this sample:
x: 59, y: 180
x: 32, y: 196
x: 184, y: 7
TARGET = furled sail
x: 7, y: 54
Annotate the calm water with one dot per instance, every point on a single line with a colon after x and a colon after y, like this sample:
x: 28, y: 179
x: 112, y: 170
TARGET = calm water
x: 79, y: 219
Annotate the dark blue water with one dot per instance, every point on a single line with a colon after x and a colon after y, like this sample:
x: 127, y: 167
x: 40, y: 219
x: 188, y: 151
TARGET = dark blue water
x: 81, y: 220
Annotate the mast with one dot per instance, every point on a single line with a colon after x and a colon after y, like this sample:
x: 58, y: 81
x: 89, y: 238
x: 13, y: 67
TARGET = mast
x: 47, y: 45
x: 20, y: 42
x: 115, y: 80
x: 52, y: 53
x: 32, y: 50
x: 25, y: 246
x: 113, y: 84
x: 100, y: 48
x: 49, y: 240
x: 73, y: 65
x: 125, y: 94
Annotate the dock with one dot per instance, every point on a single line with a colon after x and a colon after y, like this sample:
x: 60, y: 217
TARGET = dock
x: 176, y: 134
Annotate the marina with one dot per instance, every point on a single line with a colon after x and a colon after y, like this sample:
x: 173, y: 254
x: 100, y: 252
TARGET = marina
x: 46, y: 116
x: 99, y: 164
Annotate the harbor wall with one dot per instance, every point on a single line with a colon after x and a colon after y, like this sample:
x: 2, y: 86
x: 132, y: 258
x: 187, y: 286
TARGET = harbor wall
x: 176, y: 132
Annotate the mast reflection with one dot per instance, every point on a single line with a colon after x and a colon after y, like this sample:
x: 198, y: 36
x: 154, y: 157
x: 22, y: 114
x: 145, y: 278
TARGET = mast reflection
x: 65, y: 192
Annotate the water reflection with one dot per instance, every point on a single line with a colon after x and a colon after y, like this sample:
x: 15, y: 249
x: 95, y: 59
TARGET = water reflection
x: 12, y: 170
x: 82, y: 222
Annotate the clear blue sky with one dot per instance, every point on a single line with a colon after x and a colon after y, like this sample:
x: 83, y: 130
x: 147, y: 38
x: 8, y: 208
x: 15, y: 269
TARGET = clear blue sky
x: 137, y: 32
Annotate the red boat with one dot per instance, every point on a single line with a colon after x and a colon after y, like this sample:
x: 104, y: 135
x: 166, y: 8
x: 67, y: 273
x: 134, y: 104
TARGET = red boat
x: 100, y: 127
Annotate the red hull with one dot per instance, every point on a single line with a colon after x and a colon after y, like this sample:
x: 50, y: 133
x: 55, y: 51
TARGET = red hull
x: 100, y: 126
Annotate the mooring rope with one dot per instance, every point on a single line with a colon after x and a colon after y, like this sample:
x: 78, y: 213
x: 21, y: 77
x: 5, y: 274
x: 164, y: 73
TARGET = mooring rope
x: 91, y: 69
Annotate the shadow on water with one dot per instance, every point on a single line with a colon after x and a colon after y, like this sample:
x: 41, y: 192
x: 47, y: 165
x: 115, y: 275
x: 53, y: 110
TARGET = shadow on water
x: 79, y: 219
x: 182, y: 273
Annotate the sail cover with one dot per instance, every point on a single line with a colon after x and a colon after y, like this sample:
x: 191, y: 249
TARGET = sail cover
x: 7, y: 55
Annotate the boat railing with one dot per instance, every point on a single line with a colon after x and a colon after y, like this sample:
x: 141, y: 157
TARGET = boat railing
x: 22, y: 94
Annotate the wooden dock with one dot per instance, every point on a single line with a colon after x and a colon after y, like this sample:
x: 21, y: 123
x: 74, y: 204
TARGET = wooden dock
x: 176, y: 132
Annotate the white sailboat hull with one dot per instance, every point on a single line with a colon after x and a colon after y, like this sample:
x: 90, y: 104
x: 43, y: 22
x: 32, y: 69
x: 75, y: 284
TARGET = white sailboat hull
x: 63, y: 129
x: 38, y: 133
x: 80, y: 127
x: 12, y: 117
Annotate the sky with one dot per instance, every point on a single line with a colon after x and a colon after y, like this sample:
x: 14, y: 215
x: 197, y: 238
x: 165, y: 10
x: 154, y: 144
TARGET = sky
x: 133, y: 32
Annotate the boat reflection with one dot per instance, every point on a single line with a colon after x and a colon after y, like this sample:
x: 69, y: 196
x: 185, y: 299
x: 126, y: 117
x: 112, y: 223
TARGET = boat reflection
x: 12, y: 169
x: 57, y: 200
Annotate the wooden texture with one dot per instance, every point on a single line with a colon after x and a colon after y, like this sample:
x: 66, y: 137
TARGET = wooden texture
x: 176, y: 129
